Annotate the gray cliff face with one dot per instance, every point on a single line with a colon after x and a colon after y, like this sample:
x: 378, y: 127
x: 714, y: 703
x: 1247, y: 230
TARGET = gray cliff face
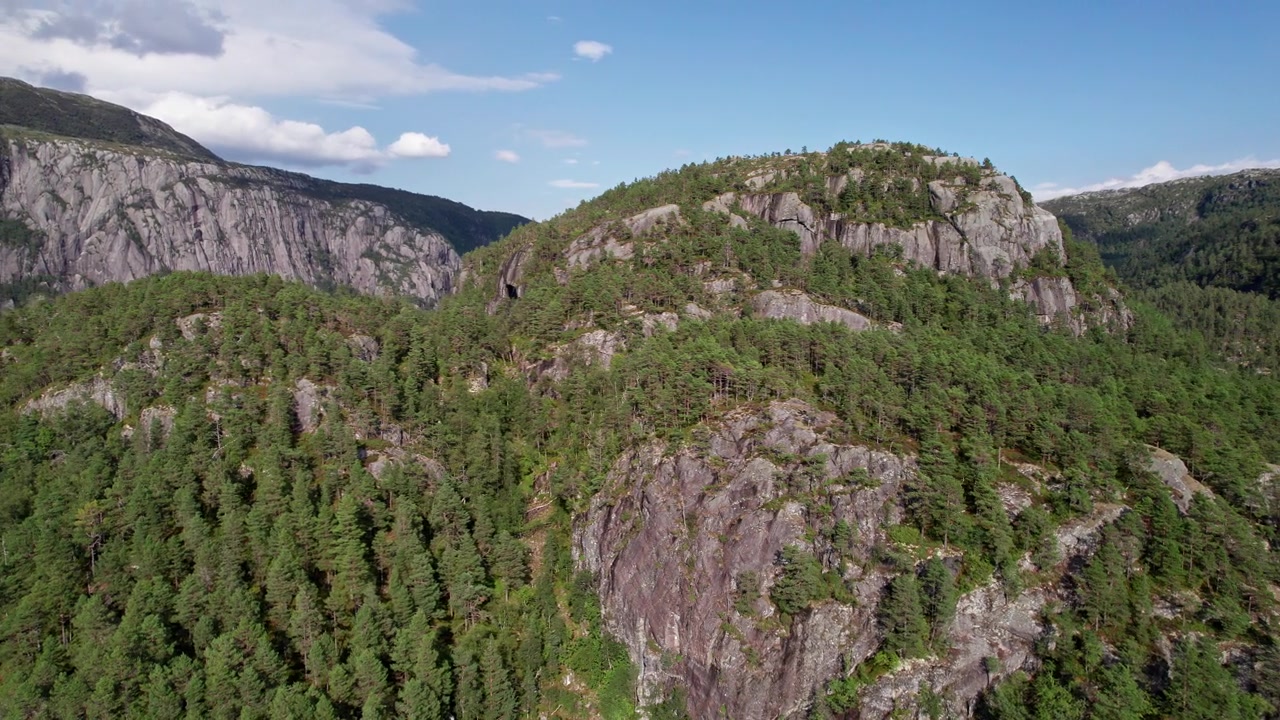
x: 686, y: 548
x: 102, y: 215
x: 673, y: 537
x: 795, y: 305
x: 987, y: 232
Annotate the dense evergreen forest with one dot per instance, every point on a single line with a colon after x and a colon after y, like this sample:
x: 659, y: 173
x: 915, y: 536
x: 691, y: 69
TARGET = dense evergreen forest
x: 1204, y: 250
x: 294, y: 503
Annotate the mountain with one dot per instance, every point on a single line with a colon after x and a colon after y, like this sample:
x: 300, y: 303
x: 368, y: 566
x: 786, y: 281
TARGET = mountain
x: 79, y: 116
x: 93, y: 193
x: 850, y: 434
x: 1220, y: 231
x: 1205, y: 250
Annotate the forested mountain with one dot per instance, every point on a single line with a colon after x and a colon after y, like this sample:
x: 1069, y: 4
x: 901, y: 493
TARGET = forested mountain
x: 1205, y: 250
x: 92, y: 192
x: 842, y: 434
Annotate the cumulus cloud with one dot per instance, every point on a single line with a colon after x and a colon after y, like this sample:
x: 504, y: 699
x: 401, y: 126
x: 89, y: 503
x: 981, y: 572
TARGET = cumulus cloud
x: 507, y: 156
x: 556, y: 138
x: 573, y: 185
x: 252, y: 134
x: 1162, y: 171
x: 591, y: 50
x: 241, y: 48
x: 417, y: 145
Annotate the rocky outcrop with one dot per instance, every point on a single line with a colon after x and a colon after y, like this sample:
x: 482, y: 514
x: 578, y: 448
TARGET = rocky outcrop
x: 308, y: 403
x: 612, y: 240
x: 673, y: 536
x: 795, y: 305
x: 1053, y: 298
x: 595, y: 348
x: 988, y: 231
x: 99, y: 391
x: 987, y: 624
x: 787, y: 211
x: 190, y: 325
x: 155, y: 423
x: 650, y: 322
x: 363, y: 347
x: 686, y: 545
x: 1171, y: 471
x: 100, y: 214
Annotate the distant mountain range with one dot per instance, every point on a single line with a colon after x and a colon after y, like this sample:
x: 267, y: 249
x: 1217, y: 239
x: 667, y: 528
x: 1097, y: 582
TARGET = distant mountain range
x: 1205, y: 250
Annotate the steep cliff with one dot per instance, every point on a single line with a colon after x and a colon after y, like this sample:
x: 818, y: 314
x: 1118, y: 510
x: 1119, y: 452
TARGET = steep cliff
x: 131, y: 198
x: 686, y: 545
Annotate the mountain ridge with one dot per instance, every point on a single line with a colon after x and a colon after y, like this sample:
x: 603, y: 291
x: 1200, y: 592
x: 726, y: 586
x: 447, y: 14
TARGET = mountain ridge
x: 131, y: 197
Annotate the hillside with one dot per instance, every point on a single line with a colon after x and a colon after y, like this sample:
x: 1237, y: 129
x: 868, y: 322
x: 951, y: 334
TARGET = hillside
x: 92, y: 193
x: 1221, y: 231
x: 1205, y: 250
x: 79, y: 116
x: 892, y: 447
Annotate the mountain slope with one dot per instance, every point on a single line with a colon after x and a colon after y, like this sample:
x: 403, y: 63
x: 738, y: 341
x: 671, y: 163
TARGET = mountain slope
x: 1205, y: 250
x: 112, y: 204
x: 1221, y: 231
x: 648, y: 455
x: 80, y: 116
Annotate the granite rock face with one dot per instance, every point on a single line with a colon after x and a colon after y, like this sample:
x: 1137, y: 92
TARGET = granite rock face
x: 1173, y: 472
x: 987, y: 231
x: 686, y: 544
x: 99, y: 214
x: 795, y: 305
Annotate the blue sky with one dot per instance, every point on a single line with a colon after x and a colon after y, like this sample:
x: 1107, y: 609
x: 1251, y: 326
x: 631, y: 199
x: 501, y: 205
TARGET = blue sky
x: 424, y: 95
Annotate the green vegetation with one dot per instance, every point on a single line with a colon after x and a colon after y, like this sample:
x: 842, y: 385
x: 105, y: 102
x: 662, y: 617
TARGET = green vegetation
x: 237, y: 565
x: 1215, y: 232
x: 1206, y: 251
x: 80, y: 116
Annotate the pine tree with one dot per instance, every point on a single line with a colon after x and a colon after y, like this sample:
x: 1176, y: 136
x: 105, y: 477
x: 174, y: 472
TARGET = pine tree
x: 499, y: 695
x: 902, y: 618
x: 939, y: 596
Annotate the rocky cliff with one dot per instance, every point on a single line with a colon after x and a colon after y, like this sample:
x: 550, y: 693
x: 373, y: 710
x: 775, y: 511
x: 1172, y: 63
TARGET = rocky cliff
x: 950, y: 214
x: 133, y: 198
x: 686, y: 547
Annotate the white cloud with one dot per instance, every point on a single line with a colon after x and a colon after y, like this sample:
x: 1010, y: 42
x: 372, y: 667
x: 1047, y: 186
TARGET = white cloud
x: 1163, y: 171
x: 417, y: 145
x: 556, y: 138
x: 507, y: 156
x: 252, y: 134
x: 573, y: 185
x: 141, y: 27
x: 240, y: 48
x: 591, y: 50
x: 570, y: 161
